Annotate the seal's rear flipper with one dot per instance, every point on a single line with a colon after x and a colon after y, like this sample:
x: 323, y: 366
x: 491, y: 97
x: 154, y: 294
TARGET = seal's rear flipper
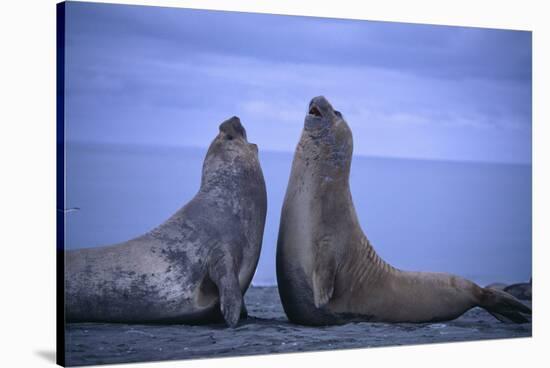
x: 504, y: 306
x: 224, y: 275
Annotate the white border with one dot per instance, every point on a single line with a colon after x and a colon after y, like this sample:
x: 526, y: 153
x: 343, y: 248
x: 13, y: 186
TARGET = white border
x: 27, y: 192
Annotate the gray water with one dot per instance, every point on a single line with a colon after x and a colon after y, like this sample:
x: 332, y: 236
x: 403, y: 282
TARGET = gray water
x: 470, y: 219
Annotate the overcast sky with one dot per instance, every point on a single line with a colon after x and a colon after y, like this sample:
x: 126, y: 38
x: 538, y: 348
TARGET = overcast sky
x: 150, y: 75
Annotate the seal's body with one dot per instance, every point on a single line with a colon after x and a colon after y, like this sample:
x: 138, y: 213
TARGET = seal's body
x: 196, y: 264
x: 327, y: 270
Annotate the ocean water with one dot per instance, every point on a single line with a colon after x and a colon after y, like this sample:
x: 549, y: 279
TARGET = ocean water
x: 470, y: 219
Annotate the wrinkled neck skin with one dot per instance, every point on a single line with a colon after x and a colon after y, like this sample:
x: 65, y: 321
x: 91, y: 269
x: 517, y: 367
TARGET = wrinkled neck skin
x: 231, y: 171
x: 322, y: 165
x: 323, y: 161
x: 226, y: 174
x: 324, y: 155
x: 233, y: 184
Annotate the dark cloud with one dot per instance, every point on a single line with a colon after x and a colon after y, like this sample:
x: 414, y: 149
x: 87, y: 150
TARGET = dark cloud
x: 132, y: 70
x: 447, y: 52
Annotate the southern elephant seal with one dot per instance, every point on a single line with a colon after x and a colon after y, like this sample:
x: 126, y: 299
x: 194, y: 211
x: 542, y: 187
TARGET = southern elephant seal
x: 196, y: 264
x: 327, y: 270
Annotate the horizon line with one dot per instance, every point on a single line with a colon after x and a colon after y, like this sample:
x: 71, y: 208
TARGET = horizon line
x: 362, y: 155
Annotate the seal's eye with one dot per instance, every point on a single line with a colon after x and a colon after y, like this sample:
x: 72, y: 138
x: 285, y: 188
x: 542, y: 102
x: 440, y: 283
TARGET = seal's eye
x: 338, y: 113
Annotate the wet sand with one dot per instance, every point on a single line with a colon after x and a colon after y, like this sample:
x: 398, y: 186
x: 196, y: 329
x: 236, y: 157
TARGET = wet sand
x: 266, y: 331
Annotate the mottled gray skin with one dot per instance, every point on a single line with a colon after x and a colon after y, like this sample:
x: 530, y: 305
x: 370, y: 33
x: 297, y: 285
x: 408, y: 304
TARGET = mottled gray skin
x: 327, y: 270
x: 196, y: 264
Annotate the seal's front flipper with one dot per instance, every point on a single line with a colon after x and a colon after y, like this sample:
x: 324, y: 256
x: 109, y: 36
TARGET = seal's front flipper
x: 230, y: 304
x: 324, y: 273
x: 244, y: 312
x: 224, y: 275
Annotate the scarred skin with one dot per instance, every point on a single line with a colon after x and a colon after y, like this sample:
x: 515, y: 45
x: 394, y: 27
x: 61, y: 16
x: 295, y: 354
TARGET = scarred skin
x: 327, y: 270
x: 193, y: 268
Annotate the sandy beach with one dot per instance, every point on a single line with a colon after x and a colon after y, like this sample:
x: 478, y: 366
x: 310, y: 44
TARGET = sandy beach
x: 266, y: 331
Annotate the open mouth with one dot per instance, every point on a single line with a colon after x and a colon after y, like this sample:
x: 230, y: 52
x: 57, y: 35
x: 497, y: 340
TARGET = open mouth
x: 313, y: 110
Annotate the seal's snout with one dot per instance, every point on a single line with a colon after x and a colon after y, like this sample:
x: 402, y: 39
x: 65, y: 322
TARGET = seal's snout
x: 314, y: 110
x: 319, y: 106
x: 319, y: 100
x: 233, y: 128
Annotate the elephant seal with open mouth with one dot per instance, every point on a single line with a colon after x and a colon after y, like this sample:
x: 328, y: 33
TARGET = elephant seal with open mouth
x: 327, y: 270
x: 193, y: 268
